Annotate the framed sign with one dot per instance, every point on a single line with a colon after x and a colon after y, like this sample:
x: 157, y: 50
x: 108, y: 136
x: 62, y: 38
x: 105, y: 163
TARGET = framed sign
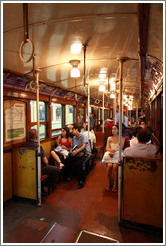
x: 14, y: 121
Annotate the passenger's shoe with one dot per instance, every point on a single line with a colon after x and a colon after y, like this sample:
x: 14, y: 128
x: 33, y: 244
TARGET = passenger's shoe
x: 68, y: 179
x: 44, y: 192
x: 51, y: 188
x: 81, y: 184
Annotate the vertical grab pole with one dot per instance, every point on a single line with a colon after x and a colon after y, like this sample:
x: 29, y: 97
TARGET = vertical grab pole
x: 88, y: 107
x: 120, y: 142
x: 38, y: 134
x: 115, y: 105
x: 103, y: 114
x: 137, y: 113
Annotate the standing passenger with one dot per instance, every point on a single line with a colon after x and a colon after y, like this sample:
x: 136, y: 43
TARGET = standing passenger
x: 92, y: 120
x: 92, y: 139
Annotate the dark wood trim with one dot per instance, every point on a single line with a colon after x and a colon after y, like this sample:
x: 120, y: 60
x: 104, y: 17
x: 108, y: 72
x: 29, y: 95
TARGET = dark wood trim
x: 143, y: 24
x: 49, y: 119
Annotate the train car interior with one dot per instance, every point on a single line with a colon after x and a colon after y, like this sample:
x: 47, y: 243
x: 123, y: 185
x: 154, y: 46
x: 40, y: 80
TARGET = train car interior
x: 65, y: 64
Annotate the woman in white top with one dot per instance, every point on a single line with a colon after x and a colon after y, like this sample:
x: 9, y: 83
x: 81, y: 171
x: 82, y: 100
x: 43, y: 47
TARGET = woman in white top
x: 111, y: 157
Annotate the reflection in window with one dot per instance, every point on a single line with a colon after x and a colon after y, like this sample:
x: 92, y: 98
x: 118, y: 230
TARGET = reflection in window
x: 99, y: 115
x: 69, y: 114
x: 80, y: 115
x: 42, y: 111
x: 42, y: 117
x: 111, y: 113
x: 56, y: 116
x: 56, y: 132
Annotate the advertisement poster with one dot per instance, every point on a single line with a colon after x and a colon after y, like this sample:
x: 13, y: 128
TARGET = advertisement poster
x: 15, y: 122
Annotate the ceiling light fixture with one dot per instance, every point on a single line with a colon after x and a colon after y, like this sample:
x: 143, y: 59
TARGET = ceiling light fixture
x: 101, y: 87
x: 112, y: 95
x: 103, y: 73
x: 75, y: 72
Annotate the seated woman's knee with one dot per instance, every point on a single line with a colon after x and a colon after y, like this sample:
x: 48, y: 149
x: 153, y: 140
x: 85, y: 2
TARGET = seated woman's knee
x: 109, y: 164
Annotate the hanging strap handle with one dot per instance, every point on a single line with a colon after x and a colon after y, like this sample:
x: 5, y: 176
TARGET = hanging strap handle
x: 26, y: 35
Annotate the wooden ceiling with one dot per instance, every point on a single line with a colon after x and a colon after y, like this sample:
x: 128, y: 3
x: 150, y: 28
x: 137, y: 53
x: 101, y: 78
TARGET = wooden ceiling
x: 110, y: 32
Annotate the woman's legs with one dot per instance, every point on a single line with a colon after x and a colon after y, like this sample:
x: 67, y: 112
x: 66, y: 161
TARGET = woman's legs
x: 56, y: 158
x: 109, y: 172
x: 115, y: 175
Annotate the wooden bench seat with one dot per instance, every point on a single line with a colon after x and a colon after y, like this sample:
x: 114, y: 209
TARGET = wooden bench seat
x: 25, y: 173
x: 142, y: 191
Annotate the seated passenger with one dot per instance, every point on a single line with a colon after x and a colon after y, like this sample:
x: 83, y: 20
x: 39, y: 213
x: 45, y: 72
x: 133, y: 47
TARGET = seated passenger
x: 52, y: 171
x: 91, y: 136
x: 143, y: 124
x: 111, y: 158
x: 70, y: 130
x: 142, y: 148
x: 79, y: 156
x: 126, y: 133
x: 108, y: 123
x: 61, y: 149
x: 134, y: 138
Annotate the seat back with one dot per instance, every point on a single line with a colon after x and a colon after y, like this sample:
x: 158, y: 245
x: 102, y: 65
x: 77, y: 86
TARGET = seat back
x: 126, y: 144
x: 108, y: 132
x: 100, y: 139
x: 142, y: 192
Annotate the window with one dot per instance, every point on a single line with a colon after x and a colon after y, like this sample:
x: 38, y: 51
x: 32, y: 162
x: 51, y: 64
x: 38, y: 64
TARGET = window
x: 111, y: 113
x: 56, y: 112
x: 99, y: 116
x: 69, y: 115
x: 42, y: 117
x: 105, y: 114
x: 80, y: 115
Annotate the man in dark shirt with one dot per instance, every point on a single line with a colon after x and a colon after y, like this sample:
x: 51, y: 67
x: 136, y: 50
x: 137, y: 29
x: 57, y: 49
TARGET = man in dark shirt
x: 52, y: 171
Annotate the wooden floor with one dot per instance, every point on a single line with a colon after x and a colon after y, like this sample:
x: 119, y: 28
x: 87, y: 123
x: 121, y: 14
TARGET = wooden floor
x: 68, y: 211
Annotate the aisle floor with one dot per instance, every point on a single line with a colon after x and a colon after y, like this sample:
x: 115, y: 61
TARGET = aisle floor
x: 67, y: 211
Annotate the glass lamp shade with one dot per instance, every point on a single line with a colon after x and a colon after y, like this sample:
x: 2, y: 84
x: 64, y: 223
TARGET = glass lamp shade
x: 75, y: 73
x: 101, y: 88
x: 112, y: 95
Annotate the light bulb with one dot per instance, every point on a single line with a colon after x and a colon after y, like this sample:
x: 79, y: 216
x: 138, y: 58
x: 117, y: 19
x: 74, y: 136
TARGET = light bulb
x: 101, y: 88
x: 75, y: 48
x: 75, y: 73
x: 112, y: 95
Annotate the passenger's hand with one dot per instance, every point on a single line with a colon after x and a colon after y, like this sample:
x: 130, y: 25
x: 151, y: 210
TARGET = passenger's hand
x: 61, y: 165
x: 63, y: 147
x: 111, y: 153
x: 74, y: 153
